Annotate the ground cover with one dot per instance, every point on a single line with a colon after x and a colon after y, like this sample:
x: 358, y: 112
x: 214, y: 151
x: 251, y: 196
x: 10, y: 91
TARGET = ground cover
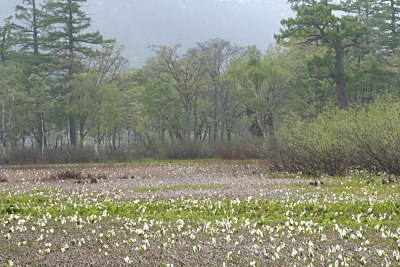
x: 205, y: 213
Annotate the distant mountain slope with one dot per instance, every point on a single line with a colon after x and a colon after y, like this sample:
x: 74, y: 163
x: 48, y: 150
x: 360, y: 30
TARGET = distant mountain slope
x: 139, y: 23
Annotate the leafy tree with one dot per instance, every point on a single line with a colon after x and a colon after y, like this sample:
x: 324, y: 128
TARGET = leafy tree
x: 30, y: 36
x: 39, y: 101
x: 262, y: 84
x: 389, y: 22
x: 316, y: 24
x: 68, y: 40
x: 366, y: 12
x: 30, y: 28
x: 117, y: 113
x: 7, y: 39
x: 161, y: 107
x: 216, y: 56
x: 10, y: 93
x: 104, y: 69
x: 370, y: 78
x: 311, y: 86
x: 108, y: 62
x: 183, y: 73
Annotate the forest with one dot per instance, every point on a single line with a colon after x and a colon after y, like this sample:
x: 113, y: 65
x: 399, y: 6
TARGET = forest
x: 213, y: 155
x: 324, y: 98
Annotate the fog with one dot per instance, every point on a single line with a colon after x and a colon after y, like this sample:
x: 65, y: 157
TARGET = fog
x: 136, y: 24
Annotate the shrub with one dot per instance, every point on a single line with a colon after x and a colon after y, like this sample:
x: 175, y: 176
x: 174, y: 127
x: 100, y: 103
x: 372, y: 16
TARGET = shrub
x: 314, y: 147
x: 80, y: 154
x: 55, y: 155
x: 340, y: 140
x: 241, y: 149
x: 376, y: 136
x: 184, y: 150
x: 25, y: 156
x: 126, y: 153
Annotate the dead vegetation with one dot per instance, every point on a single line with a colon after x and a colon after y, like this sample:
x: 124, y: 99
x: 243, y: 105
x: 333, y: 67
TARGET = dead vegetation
x: 126, y: 177
x: 78, y: 176
x: 67, y: 175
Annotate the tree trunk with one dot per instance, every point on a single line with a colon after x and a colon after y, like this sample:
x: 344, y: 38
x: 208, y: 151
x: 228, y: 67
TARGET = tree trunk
x: 223, y: 115
x: 222, y: 134
x: 72, y: 119
x: 42, y: 133
x: 72, y: 130
x: 270, y: 123
x: 195, y: 120
x: 3, y: 130
x: 215, y: 116
x: 188, y: 118
x: 97, y: 142
x: 3, y: 43
x: 229, y: 134
x: 6, y: 125
x: 340, y: 77
x: 82, y: 131
x: 35, y: 30
x: 114, y: 139
x: 393, y: 24
x: 254, y: 126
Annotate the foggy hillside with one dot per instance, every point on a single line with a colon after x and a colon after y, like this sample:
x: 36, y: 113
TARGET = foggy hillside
x: 139, y: 23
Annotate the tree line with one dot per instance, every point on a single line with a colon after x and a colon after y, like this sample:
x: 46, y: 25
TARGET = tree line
x: 63, y: 87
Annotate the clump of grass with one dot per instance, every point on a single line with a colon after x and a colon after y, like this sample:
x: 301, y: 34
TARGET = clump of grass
x: 102, y: 176
x: 67, y: 175
x: 78, y: 177
x: 126, y: 177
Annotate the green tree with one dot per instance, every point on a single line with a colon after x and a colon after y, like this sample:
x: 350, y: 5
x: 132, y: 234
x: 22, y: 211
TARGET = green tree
x: 262, y: 84
x: 161, y: 107
x: 68, y: 41
x: 317, y: 24
x: 38, y: 103
x: 7, y: 39
x: 104, y: 69
x: 367, y: 13
x: 10, y: 95
x: 30, y: 37
x: 216, y: 56
x: 181, y: 72
x: 388, y: 21
x: 30, y: 27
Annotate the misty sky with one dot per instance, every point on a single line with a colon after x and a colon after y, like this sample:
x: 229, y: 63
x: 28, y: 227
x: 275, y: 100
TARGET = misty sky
x: 136, y: 24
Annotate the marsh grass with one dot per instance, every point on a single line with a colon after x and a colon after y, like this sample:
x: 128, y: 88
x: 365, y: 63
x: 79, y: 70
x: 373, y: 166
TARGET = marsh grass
x: 346, y: 221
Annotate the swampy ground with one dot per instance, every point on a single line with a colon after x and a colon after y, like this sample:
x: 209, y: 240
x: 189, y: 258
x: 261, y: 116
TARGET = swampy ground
x: 195, y: 213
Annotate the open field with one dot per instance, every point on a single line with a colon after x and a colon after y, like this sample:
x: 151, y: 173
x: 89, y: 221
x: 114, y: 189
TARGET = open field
x: 204, y: 213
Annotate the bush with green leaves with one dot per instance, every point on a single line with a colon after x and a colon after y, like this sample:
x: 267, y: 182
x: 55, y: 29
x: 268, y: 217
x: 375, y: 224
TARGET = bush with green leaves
x: 340, y: 140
